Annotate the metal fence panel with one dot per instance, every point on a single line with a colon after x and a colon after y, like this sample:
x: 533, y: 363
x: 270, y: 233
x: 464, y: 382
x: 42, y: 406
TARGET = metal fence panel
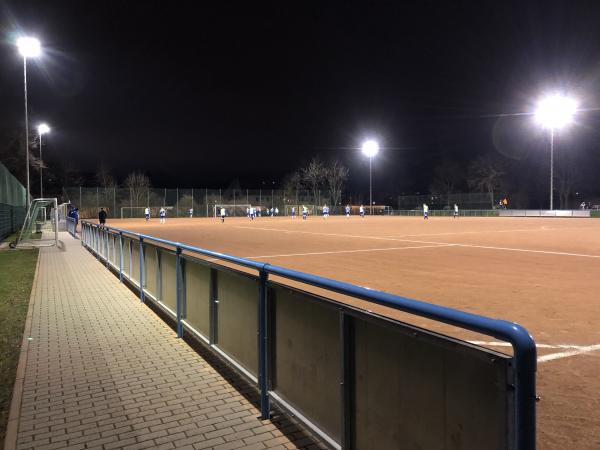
x: 197, y: 296
x: 307, y: 357
x: 135, y: 261
x: 418, y: 390
x: 151, y: 283
x: 237, y: 296
x: 168, y: 282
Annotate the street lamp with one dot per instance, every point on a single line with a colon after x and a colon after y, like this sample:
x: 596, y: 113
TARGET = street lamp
x: 370, y: 148
x: 42, y: 129
x: 554, y: 112
x: 29, y: 47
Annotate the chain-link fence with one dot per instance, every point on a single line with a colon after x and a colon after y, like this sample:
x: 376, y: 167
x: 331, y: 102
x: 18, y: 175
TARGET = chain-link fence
x: 466, y: 201
x: 12, y: 203
x: 129, y: 203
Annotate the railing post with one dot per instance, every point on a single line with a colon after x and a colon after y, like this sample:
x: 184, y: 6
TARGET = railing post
x: 121, y: 256
x: 347, y: 381
x: 107, y: 248
x: 142, y: 299
x: 263, y: 379
x: 213, y: 307
x: 179, y: 286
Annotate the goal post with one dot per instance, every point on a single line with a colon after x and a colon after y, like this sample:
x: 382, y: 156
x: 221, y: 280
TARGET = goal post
x: 40, y: 228
x: 237, y: 210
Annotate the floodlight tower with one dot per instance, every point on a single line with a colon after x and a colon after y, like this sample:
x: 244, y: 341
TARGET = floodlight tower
x: 370, y: 148
x: 29, y: 47
x: 42, y: 129
x: 554, y: 112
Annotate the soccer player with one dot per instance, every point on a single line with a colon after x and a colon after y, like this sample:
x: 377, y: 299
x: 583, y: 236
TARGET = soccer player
x: 325, y: 211
x: 293, y: 212
x: 455, y: 210
x: 191, y: 211
x: 347, y: 210
x: 252, y: 213
x: 222, y: 214
x: 102, y: 217
x: 276, y: 211
x: 361, y: 210
x: 163, y: 215
x: 304, y: 212
x: 425, y: 211
x: 247, y: 212
x: 147, y: 213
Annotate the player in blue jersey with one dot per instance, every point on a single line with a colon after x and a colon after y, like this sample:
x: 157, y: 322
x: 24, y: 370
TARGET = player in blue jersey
x: 347, y: 210
x: 325, y: 211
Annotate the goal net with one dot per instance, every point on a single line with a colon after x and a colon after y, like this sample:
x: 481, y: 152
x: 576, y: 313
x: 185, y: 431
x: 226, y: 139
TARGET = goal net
x: 237, y: 210
x: 312, y: 210
x: 40, y: 226
x: 138, y: 212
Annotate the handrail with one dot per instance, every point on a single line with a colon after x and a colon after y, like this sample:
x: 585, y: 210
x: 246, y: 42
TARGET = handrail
x: 524, y: 348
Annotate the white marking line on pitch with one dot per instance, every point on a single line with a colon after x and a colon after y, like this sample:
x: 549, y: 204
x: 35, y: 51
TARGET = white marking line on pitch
x: 571, y: 350
x: 448, y: 244
x: 347, y: 251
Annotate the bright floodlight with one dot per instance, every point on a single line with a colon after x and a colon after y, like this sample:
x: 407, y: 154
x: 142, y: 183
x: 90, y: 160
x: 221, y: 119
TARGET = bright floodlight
x: 29, y: 47
x: 555, y: 111
x: 43, y: 128
x: 370, y: 148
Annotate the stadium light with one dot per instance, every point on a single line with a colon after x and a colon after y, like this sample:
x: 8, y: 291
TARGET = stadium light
x: 370, y: 148
x: 42, y: 129
x: 553, y: 113
x: 29, y: 47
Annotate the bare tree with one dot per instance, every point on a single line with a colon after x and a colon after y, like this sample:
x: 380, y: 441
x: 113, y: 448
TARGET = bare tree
x: 567, y: 176
x: 313, y: 176
x: 292, y: 183
x: 104, y: 178
x: 138, y: 184
x: 446, y: 177
x: 485, y: 175
x: 336, y: 175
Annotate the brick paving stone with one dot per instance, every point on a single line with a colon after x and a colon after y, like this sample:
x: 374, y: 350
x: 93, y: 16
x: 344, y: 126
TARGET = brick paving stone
x: 103, y: 371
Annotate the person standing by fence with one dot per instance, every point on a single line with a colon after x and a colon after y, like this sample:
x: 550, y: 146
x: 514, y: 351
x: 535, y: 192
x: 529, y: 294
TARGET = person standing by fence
x: 102, y: 217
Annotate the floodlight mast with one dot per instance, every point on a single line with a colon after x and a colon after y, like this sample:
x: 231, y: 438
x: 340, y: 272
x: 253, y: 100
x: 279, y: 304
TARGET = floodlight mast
x: 555, y: 112
x: 370, y: 148
x: 29, y: 47
x: 42, y: 129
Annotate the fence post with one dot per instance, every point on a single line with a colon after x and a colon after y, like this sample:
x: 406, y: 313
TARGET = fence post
x: 263, y: 379
x: 121, y: 257
x: 80, y: 205
x: 346, y: 381
x: 107, y: 247
x: 142, y: 299
x: 206, y: 200
x: 115, y: 202
x: 179, y: 293
x: 177, y: 202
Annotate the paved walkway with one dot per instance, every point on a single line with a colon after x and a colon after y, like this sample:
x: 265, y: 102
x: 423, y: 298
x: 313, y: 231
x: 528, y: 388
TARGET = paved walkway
x: 100, y: 370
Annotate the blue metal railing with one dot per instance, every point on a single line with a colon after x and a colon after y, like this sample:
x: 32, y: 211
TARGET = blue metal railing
x: 524, y: 361
x: 71, y: 226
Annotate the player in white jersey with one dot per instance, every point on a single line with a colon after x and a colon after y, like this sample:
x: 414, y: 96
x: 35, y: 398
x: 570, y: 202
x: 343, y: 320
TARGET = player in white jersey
x: 361, y: 210
x: 425, y: 211
x: 276, y: 211
x: 248, y: 213
x: 293, y: 212
x: 223, y: 212
x: 163, y: 215
x: 347, y: 210
x: 191, y: 212
x: 147, y: 213
x: 252, y: 212
x: 304, y: 212
x: 455, y: 210
x: 325, y: 211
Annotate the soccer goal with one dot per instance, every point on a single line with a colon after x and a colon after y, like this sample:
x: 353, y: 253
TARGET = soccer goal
x: 137, y: 212
x: 40, y: 227
x: 312, y: 209
x: 237, y: 210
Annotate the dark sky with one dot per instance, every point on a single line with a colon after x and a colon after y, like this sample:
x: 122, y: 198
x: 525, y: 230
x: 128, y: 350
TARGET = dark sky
x: 200, y: 95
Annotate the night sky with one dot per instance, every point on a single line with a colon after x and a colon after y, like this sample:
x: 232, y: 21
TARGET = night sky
x: 199, y: 96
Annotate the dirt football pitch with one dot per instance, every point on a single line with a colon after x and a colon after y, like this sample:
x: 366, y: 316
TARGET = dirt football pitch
x: 541, y: 273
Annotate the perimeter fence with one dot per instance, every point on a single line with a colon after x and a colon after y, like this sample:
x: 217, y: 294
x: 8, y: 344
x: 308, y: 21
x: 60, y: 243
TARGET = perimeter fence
x: 13, y: 203
x: 466, y: 201
x: 357, y: 379
x: 127, y: 203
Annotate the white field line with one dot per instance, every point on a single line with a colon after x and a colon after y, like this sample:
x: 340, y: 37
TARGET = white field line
x: 449, y: 244
x: 571, y: 350
x: 347, y: 251
x: 478, y: 232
